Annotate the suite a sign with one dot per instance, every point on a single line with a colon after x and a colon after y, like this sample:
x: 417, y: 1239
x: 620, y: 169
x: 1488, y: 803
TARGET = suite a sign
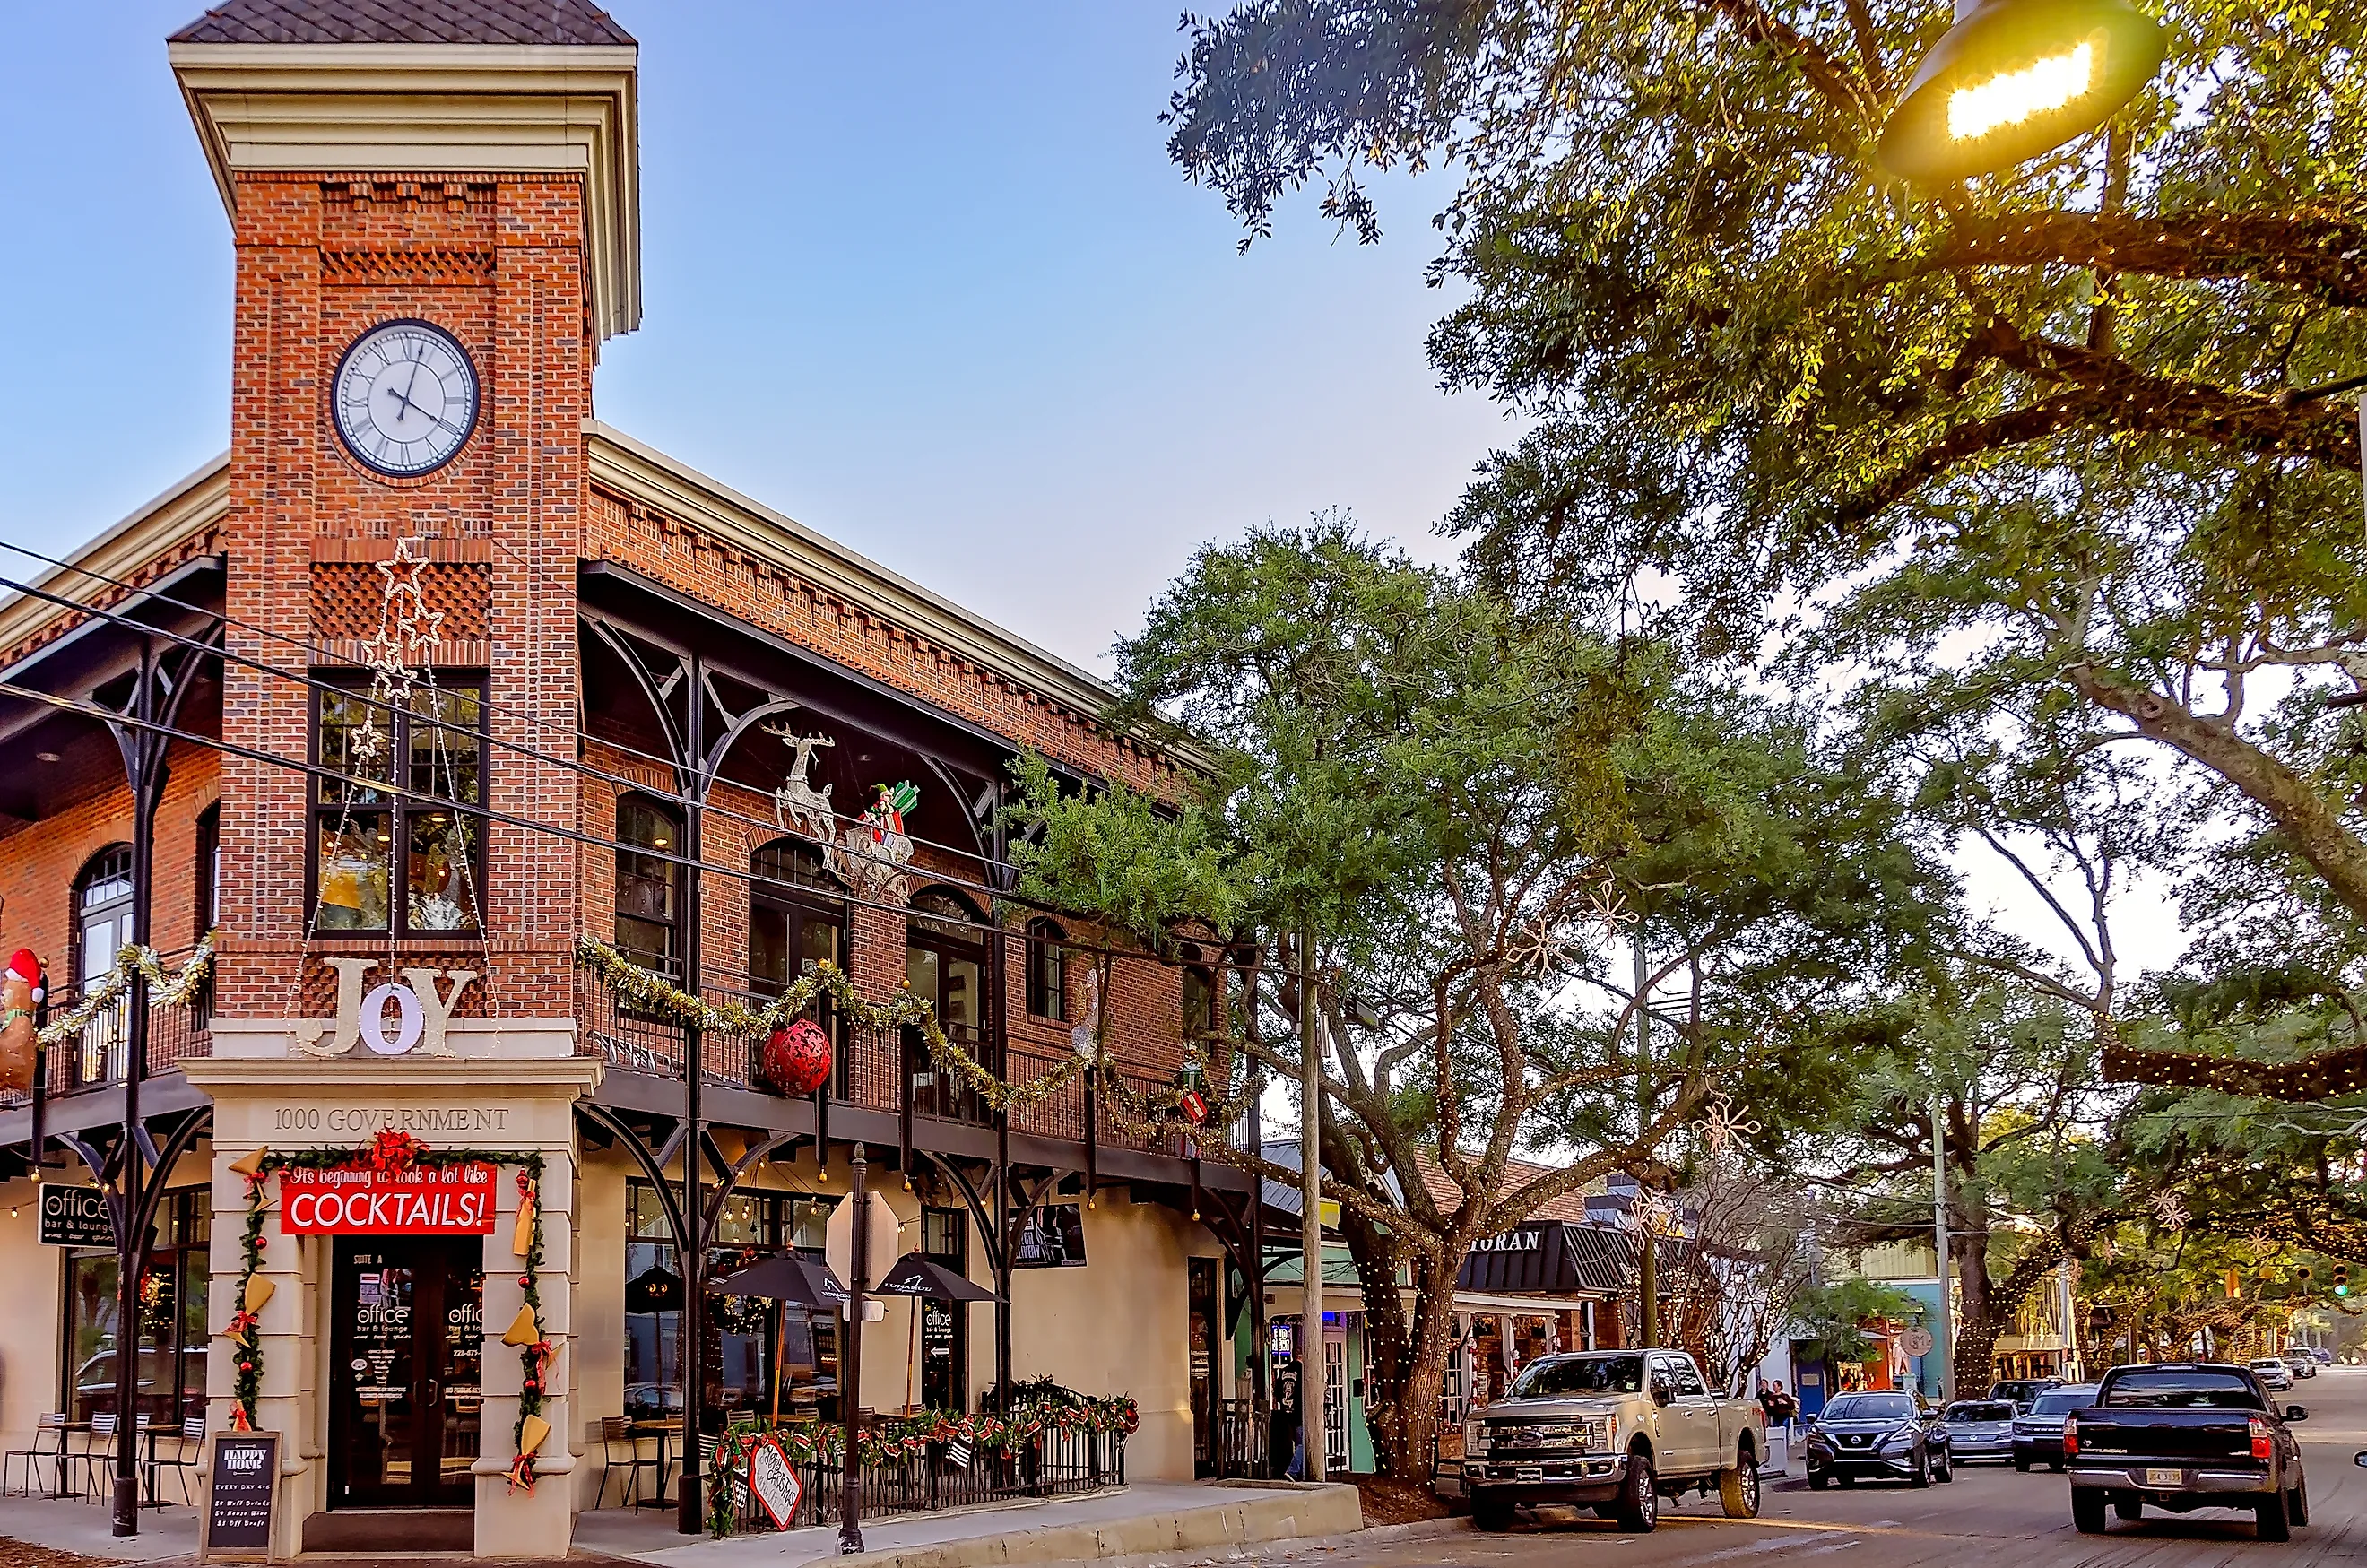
x: 450, y: 1199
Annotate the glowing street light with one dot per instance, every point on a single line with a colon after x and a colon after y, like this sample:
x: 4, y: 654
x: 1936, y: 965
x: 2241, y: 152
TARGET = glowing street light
x: 2015, y: 78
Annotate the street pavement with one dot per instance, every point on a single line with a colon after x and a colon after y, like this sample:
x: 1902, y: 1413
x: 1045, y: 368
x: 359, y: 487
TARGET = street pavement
x: 1990, y: 1515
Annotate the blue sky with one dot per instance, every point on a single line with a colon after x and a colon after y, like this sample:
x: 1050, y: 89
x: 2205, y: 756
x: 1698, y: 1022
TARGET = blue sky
x: 918, y: 275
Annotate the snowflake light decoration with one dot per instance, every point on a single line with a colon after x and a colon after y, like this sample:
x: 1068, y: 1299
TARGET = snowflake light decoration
x: 1536, y: 951
x: 1605, y: 909
x: 1654, y: 1211
x: 1722, y: 1129
x: 2170, y: 1211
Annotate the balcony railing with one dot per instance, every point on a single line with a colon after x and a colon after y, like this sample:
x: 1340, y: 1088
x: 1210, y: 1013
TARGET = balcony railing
x: 876, y: 1068
x: 98, y: 1055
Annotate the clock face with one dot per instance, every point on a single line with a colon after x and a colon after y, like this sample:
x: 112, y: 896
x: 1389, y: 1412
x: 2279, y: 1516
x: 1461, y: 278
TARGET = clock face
x: 406, y: 398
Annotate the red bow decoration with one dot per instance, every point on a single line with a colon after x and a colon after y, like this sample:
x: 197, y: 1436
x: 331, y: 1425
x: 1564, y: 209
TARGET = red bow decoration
x: 392, y: 1152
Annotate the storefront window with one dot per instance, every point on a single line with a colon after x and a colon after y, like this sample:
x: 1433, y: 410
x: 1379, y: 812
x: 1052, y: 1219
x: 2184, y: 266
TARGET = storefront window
x: 172, y: 1340
x: 747, y: 1339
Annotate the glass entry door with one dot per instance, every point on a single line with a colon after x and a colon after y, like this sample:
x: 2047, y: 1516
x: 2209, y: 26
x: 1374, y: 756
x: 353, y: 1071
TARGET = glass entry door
x: 407, y: 1352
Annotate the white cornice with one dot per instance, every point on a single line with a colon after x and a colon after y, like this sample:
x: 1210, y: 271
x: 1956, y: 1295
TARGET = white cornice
x: 442, y: 108
x: 643, y: 473
x: 190, y: 507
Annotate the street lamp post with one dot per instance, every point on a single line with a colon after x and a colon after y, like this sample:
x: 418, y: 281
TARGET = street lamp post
x: 2015, y: 78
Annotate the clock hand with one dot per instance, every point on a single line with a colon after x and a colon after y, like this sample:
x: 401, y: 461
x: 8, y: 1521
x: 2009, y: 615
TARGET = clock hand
x: 404, y: 398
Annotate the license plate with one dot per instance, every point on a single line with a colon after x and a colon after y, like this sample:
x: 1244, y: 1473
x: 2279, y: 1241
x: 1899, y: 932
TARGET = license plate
x: 2164, y: 1477
x: 1529, y: 1472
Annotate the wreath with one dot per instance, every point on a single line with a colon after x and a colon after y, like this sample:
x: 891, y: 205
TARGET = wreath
x: 391, y: 1153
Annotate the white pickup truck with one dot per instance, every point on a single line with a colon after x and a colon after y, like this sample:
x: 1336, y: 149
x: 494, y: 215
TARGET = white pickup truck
x: 1615, y: 1430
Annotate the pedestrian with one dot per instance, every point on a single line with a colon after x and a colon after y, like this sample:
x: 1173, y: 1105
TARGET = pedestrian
x: 1781, y: 1407
x: 1282, y: 1428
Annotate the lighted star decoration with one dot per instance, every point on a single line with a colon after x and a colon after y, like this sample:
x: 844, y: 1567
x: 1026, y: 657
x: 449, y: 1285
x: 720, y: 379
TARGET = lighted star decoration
x: 1722, y: 1128
x: 408, y: 630
x: 2262, y: 1243
x: 2170, y: 1211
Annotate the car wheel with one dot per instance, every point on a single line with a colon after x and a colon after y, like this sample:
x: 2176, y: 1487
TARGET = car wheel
x: 1946, y: 1470
x: 2055, y: 1467
x: 1846, y: 1481
x: 2088, y: 1510
x: 1491, y: 1514
x: 1920, y: 1476
x: 2297, y: 1502
x: 1639, y: 1500
x: 1738, y: 1489
x: 2129, y: 1506
x: 1816, y: 1482
x: 2269, y: 1521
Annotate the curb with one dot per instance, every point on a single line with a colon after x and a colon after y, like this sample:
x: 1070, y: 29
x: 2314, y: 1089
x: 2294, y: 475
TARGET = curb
x: 1420, y: 1530
x: 1218, y: 1533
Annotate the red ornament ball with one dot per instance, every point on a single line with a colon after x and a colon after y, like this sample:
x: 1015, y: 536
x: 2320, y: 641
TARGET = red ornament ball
x: 246, y: 1366
x: 525, y: 1282
x: 796, y: 1060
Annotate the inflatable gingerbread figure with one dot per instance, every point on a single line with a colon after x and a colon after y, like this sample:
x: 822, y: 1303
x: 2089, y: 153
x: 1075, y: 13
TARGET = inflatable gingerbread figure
x: 22, y: 989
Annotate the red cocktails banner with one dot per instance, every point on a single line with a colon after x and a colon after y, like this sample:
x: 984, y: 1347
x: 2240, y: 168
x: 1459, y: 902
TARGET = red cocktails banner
x: 447, y: 1199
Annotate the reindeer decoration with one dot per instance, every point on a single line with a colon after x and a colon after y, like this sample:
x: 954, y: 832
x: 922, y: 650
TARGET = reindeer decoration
x: 797, y: 803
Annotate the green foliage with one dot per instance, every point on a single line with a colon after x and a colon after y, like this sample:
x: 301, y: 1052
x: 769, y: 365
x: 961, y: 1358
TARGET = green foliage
x: 1833, y: 1317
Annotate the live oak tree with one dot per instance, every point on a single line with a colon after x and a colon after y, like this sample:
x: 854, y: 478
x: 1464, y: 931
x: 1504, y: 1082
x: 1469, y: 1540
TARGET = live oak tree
x: 2048, y: 439
x: 1393, y: 765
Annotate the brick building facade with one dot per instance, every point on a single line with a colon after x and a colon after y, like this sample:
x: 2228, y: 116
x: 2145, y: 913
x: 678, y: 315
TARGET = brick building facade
x: 623, y: 656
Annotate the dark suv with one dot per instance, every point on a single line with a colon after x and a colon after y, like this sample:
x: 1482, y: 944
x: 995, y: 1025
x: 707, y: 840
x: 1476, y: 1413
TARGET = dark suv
x: 2019, y: 1392
x: 2038, y: 1431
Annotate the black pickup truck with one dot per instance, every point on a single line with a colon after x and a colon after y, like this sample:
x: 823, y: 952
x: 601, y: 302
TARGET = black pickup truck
x: 2181, y: 1436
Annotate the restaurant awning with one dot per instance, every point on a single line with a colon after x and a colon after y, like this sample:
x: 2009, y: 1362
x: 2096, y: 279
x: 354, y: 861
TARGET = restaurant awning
x: 1554, y: 1258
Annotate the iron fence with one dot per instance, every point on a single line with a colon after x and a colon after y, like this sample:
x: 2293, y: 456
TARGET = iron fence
x: 1051, y: 1464
x: 100, y: 1052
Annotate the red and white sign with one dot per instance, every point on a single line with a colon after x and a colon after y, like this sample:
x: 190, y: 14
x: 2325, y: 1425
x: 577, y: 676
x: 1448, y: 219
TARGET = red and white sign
x: 447, y: 1200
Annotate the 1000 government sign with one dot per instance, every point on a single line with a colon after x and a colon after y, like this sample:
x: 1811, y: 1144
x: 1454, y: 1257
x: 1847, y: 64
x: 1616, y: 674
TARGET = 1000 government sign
x: 451, y: 1200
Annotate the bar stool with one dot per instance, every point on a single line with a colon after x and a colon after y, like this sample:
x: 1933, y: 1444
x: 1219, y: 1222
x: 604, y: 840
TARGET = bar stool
x: 620, y: 1449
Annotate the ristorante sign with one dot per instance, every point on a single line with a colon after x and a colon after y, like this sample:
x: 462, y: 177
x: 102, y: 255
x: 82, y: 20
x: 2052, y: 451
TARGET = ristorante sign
x: 450, y: 1199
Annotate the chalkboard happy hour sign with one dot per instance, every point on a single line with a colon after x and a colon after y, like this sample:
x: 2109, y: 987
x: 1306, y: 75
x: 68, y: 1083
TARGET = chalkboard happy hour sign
x: 243, y: 1478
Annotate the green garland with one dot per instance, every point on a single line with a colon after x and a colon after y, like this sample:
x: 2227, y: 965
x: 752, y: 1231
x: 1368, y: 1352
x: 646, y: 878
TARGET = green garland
x: 392, y: 1152
x: 652, y: 993
x: 170, y: 990
x: 899, y: 1440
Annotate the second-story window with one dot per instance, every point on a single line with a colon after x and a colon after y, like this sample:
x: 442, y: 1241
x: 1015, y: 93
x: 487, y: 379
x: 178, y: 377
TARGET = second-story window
x: 209, y: 868
x: 1199, y: 996
x: 649, y: 887
x: 385, y: 861
x: 1048, y: 971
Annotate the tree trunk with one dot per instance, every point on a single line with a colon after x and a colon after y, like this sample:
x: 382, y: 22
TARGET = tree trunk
x: 1376, y: 1257
x: 1412, y: 1431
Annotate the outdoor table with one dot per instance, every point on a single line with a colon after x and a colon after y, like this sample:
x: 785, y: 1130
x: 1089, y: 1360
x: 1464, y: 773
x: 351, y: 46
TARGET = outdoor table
x: 58, y: 1483
x: 663, y: 1431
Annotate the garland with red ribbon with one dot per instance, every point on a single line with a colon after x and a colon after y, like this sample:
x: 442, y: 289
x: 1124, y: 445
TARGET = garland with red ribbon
x: 391, y: 1152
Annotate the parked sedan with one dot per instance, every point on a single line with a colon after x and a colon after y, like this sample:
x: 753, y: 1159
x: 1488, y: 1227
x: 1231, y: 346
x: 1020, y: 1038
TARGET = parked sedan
x: 2038, y: 1431
x: 2301, y: 1363
x: 1979, y: 1429
x: 1891, y: 1435
x: 2273, y: 1373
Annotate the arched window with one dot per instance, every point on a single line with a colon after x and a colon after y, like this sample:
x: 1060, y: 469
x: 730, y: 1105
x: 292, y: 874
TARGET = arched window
x: 649, y: 887
x: 944, y: 963
x: 1199, y: 996
x: 797, y: 916
x: 1047, y: 970
x: 102, y: 906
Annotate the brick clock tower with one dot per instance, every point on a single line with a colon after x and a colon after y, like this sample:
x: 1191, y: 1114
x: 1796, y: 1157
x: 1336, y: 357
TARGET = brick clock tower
x: 435, y: 208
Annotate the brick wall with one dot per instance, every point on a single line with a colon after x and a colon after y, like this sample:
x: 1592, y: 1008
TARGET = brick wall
x: 38, y: 867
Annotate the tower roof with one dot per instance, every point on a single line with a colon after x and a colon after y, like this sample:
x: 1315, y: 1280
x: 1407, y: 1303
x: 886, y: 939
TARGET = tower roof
x: 563, y: 22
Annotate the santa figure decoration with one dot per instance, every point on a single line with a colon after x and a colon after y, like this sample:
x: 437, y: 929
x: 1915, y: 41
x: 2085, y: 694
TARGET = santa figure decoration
x: 22, y: 989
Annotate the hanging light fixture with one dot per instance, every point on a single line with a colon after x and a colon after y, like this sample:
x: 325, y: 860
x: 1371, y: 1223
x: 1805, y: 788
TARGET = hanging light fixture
x: 2015, y: 78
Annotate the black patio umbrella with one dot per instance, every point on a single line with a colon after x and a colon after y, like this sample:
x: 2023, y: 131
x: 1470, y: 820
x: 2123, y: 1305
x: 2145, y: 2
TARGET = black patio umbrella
x: 787, y: 1278
x: 654, y: 1289
x: 917, y: 1276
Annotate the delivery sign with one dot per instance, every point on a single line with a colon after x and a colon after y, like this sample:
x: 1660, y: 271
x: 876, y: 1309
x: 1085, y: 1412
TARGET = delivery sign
x: 447, y: 1199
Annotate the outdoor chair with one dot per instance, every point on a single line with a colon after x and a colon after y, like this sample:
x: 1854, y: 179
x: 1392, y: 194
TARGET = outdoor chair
x: 185, y: 1459
x: 98, y: 1454
x: 49, y: 1443
x: 620, y: 1449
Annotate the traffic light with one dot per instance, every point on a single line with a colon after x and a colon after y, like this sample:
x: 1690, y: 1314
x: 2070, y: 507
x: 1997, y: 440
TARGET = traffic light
x: 2341, y: 1280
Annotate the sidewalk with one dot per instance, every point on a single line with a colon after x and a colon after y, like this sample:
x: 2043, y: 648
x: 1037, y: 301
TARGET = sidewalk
x: 1126, y: 1521
x: 68, y: 1524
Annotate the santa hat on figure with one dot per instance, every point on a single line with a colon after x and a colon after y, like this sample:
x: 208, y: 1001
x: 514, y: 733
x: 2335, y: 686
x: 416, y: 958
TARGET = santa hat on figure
x: 23, y: 965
